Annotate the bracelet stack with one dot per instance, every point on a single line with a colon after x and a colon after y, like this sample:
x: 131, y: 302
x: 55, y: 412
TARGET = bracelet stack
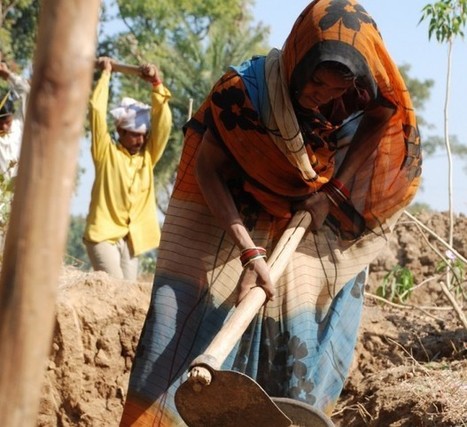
x: 248, y: 255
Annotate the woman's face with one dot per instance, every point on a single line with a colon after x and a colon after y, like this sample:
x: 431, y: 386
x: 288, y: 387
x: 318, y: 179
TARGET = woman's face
x: 324, y: 85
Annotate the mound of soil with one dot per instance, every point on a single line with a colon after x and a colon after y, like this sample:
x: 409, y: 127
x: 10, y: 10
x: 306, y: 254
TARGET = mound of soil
x: 410, y: 365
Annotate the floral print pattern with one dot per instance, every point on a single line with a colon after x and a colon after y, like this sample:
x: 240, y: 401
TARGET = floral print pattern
x: 234, y: 112
x: 283, y: 359
x: 349, y: 14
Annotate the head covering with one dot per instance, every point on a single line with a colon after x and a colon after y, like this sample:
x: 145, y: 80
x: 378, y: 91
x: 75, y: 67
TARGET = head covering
x: 342, y: 31
x: 132, y: 115
x: 7, y: 106
x: 327, y: 30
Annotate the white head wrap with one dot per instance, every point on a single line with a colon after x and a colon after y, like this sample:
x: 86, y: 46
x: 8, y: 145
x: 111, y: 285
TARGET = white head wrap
x: 132, y: 115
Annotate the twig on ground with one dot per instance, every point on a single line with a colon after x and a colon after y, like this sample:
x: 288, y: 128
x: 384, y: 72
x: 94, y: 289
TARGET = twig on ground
x: 441, y: 240
x: 454, y: 303
x: 409, y: 306
x: 419, y: 365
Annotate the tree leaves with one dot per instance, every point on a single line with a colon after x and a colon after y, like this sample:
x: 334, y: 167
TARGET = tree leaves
x: 446, y: 19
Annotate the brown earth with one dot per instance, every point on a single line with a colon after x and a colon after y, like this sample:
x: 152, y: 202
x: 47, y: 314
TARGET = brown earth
x: 410, y: 366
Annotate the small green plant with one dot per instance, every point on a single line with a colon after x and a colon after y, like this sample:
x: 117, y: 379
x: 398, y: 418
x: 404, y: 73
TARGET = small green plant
x: 457, y: 268
x: 397, y: 284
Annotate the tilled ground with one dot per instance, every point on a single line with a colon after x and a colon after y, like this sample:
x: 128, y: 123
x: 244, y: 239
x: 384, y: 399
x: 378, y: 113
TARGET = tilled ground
x: 410, y: 366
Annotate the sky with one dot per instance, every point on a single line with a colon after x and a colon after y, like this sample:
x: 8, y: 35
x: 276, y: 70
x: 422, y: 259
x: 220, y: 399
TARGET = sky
x: 408, y: 43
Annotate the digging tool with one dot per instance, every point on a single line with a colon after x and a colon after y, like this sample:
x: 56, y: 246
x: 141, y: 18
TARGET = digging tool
x: 211, y: 397
x: 133, y: 70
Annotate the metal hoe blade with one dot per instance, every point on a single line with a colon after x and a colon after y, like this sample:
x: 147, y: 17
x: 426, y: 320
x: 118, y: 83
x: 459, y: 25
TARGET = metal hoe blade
x: 302, y: 414
x: 232, y: 399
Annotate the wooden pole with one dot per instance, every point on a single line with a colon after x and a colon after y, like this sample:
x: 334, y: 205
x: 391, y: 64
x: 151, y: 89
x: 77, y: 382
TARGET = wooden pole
x: 35, y: 241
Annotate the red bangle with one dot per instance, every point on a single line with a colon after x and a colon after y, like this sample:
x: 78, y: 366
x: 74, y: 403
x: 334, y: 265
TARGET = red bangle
x: 250, y: 254
x: 340, y: 186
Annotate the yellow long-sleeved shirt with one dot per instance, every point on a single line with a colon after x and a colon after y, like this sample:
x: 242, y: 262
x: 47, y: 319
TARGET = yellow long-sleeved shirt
x: 123, y: 200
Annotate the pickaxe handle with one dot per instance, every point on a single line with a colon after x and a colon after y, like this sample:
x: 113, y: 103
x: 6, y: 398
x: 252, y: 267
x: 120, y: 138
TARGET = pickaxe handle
x: 133, y: 70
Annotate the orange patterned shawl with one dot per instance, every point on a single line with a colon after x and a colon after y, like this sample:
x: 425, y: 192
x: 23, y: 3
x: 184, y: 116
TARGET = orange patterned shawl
x: 337, y: 30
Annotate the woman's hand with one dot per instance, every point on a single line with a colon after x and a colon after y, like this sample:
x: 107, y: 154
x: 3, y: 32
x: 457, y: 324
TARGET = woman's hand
x: 255, y: 274
x: 318, y: 206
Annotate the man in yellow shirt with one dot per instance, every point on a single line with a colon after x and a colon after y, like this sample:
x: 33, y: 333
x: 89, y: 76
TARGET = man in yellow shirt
x: 122, y: 220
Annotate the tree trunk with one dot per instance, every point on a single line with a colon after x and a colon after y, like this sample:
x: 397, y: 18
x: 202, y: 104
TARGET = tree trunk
x: 36, y: 237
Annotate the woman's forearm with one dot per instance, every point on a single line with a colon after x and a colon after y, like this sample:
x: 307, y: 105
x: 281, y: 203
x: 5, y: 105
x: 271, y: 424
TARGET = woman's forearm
x: 211, y: 164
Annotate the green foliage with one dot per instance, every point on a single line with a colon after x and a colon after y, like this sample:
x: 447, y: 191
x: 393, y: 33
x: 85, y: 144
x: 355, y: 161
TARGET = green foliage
x: 397, y: 284
x: 18, y: 28
x: 6, y: 197
x: 169, y: 21
x: 455, y: 265
x: 76, y: 254
x: 24, y: 33
x: 447, y: 19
